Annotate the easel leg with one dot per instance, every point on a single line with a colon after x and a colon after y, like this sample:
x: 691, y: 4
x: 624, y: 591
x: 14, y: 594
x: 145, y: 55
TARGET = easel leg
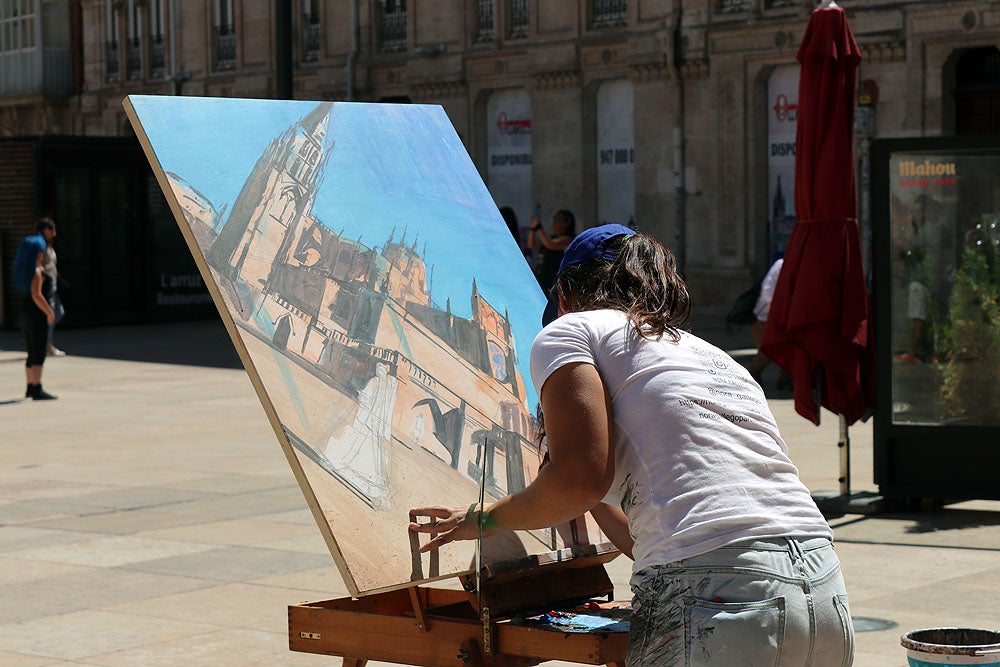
x: 355, y: 662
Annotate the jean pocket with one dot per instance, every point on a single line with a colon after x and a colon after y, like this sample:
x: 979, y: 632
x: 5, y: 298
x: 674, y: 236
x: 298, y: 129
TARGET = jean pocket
x: 844, y: 611
x: 733, y: 633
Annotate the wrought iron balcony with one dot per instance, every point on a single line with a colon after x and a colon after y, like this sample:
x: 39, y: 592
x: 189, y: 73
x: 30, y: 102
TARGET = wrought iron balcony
x: 394, y: 26
x: 733, y: 6
x: 157, y: 57
x: 520, y: 19
x: 111, y: 60
x: 608, y: 13
x: 224, y: 48
x: 310, y: 38
x: 133, y: 59
x: 484, y: 32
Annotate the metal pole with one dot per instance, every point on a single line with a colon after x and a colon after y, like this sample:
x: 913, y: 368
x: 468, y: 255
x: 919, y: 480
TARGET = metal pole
x: 352, y: 56
x: 845, y: 458
x: 175, y: 35
x: 283, y: 46
x: 680, y: 187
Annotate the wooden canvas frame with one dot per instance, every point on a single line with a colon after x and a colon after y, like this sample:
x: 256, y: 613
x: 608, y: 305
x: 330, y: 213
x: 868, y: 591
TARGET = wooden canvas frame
x: 325, y: 375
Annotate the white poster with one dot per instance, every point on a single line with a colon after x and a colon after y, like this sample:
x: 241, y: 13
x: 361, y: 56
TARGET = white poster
x: 783, y: 108
x: 616, y: 153
x: 508, y: 174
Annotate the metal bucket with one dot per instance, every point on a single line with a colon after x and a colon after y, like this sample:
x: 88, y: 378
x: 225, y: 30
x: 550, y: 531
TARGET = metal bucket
x: 952, y: 646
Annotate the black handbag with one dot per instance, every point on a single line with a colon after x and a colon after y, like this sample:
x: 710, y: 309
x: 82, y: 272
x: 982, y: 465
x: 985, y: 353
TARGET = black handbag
x: 741, y: 312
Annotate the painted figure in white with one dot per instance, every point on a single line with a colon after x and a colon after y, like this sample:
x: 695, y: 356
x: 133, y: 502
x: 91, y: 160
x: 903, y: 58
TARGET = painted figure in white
x: 419, y: 426
x: 361, y: 454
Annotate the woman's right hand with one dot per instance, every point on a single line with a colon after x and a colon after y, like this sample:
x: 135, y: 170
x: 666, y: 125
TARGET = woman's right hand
x: 450, y: 524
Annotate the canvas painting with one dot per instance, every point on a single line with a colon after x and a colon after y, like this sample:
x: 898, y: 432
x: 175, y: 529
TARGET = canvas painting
x: 382, y: 310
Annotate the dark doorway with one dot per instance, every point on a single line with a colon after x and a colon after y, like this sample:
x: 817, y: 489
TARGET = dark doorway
x: 121, y: 254
x: 93, y: 192
x: 977, y: 91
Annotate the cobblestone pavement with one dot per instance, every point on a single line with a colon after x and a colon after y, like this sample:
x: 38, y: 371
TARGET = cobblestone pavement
x: 148, y: 516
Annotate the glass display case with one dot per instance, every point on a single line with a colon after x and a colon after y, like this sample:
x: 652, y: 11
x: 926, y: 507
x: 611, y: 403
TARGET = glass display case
x: 936, y: 234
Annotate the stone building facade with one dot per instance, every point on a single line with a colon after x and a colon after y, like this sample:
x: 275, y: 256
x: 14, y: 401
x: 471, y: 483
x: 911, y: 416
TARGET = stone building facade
x: 660, y: 113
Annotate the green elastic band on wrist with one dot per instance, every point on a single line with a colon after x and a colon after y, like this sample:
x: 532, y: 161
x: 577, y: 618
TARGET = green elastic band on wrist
x: 484, y: 519
x: 487, y: 522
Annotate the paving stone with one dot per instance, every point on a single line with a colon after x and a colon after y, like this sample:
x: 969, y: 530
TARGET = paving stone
x: 160, y: 524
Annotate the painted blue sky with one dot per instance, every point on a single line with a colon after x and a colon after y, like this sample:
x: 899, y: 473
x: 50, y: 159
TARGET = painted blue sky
x: 391, y: 167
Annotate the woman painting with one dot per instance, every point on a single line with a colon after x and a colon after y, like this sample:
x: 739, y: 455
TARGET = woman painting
x: 671, y: 446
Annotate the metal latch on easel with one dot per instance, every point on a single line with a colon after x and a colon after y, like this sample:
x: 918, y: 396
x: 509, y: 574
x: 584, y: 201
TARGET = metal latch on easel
x: 487, y: 631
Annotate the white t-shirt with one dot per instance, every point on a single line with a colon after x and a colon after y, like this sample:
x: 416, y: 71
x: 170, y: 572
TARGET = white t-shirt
x: 767, y: 285
x: 699, y: 462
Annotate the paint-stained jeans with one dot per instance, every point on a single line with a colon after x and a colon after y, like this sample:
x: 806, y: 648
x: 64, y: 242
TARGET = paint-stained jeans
x: 763, y: 602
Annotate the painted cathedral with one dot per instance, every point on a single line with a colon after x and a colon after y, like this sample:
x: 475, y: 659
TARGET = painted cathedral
x: 361, y: 319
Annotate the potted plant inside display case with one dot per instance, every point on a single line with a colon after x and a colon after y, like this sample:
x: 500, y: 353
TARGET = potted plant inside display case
x: 972, y: 349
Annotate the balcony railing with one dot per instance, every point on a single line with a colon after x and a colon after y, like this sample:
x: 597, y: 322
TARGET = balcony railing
x: 484, y: 33
x: 133, y: 59
x: 157, y: 57
x: 609, y: 13
x: 520, y: 19
x: 310, y: 38
x: 111, y: 60
x: 733, y: 6
x: 394, y: 25
x: 224, y: 48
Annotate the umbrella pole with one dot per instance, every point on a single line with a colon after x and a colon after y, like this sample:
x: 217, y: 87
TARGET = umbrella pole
x: 844, y: 445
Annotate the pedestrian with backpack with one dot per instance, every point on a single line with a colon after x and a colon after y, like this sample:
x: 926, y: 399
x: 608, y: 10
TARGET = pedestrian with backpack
x: 35, y: 287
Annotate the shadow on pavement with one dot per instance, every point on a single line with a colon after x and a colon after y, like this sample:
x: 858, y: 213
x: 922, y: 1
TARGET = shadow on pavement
x: 924, y: 521
x: 196, y: 343
x: 947, y: 519
x: 206, y: 343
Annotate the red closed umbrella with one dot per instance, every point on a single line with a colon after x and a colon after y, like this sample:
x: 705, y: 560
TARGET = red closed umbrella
x: 818, y: 328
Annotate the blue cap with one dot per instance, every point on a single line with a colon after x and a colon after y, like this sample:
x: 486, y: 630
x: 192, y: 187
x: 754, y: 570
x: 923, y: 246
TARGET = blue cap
x: 593, y: 243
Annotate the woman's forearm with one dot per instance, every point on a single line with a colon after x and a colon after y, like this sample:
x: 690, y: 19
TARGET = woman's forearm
x: 614, y: 524
x: 43, y: 306
x: 39, y: 299
x: 534, y: 234
x: 554, y: 497
x: 550, y: 243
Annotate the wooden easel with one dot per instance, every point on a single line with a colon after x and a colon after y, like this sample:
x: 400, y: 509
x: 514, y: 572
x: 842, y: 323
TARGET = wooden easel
x: 438, y: 627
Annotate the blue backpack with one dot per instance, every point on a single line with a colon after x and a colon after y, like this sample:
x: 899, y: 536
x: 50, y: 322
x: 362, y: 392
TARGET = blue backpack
x: 26, y: 260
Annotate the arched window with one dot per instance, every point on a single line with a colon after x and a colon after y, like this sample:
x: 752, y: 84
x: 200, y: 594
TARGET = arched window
x: 977, y: 91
